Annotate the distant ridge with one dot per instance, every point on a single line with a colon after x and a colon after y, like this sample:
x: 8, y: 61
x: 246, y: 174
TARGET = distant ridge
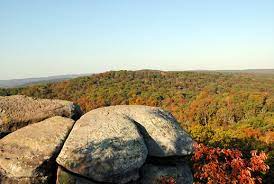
x: 29, y: 81
x: 254, y: 71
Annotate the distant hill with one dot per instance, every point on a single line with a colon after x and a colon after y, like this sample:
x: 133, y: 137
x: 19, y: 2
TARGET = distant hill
x: 248, y: 71
x: 254, y: 71
x: 30, y: 81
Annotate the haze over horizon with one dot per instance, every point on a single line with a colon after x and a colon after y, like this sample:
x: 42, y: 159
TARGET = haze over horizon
x: 39, y: 39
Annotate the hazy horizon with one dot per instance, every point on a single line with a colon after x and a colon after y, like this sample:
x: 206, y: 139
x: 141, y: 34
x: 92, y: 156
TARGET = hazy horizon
x: 249, y: 70
x: 40, y: 39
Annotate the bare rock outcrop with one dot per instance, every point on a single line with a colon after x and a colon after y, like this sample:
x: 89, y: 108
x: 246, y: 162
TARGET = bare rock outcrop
x: 104, y: 146
x: 111, y: 144
x: 161, y: 131
x: 28, y: 154
x: 117, y: 144
x: 18, y: 111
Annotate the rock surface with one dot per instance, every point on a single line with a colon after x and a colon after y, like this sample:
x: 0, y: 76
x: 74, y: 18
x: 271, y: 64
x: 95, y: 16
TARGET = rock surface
x: 65, y: 177
x: 116, y: 144
x: 152, y: 174
x: 104, y: 146
x: 28, y: 154
x: 161, y: 131
x: 110, y: 144
x: 18, y: 111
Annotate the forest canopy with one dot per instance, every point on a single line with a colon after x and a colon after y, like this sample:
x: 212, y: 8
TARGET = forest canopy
x: 228, y: 110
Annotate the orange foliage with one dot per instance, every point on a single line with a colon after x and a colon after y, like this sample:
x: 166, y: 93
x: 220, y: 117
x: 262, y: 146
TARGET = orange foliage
x: 215, y: 165
x: 167, y: 180
x: 249, y: 132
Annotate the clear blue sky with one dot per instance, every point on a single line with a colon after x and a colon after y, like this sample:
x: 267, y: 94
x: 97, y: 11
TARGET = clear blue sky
x: 42, y: 38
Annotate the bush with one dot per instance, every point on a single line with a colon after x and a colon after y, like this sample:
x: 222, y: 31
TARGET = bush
x: 216, y: 165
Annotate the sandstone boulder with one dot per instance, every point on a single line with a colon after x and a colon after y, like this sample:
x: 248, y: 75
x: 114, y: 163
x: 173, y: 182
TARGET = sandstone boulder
x: 161, y: 131
x: 18, y: 111
x: 154, y: 174
x: 28, y: 154
x: 104, y: 146
x: 111, y: 144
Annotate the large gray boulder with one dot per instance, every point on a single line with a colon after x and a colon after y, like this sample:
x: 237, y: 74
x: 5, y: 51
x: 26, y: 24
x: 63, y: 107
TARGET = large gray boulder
x: 104, y: 146
x: 154, y: 174
x: 161, y: 131
x: 110, y: 144
x: 28, y: 154
x: 18, y: 111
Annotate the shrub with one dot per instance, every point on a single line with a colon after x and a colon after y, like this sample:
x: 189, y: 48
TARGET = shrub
x: 216, y: 165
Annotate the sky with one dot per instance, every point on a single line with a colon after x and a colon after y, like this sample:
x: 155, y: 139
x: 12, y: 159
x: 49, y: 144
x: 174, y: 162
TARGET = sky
x: 44, y: 38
